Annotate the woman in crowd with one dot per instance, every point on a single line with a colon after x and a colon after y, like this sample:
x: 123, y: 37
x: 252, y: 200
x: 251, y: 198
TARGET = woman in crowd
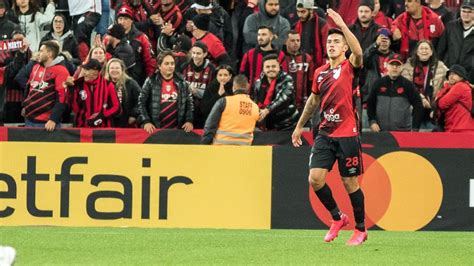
x: 428, y: 74
x: 220, y: 87
x: 31, y: 20
x: 127, y: 91
x: 61, y: 33
x: 97, y: 53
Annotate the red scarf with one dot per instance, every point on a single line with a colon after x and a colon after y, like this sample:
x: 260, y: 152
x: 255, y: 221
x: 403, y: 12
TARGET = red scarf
x: 269, y: 95
x: 405, y: 27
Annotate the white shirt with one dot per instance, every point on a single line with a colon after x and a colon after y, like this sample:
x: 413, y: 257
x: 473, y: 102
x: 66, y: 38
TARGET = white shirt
x: 79, y: 7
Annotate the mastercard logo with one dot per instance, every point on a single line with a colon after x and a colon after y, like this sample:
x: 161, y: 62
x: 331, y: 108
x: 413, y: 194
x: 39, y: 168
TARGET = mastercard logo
x: 403, y: 192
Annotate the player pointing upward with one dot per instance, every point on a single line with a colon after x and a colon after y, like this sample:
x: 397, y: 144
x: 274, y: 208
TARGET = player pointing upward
x: 338, y: 137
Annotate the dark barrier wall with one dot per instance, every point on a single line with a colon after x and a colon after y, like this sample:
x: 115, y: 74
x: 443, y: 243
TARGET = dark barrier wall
x: 412, y: 181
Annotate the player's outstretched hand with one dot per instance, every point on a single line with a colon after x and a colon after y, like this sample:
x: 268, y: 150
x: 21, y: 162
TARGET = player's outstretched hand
x: 296, y: 137
x: 336, y: 18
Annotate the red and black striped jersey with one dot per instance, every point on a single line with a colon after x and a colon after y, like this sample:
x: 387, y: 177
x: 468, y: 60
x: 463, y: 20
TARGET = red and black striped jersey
x: 335, y: 86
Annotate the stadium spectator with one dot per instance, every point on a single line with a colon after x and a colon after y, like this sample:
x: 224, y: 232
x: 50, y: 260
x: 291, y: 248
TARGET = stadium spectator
x: 198, y: 74
x: 85, y: 17
x: 94, y: 101
x: 233, y: 118
x: 456, y: 46
x: 10, y: 109
x: 313, y: 31
x: 118, y: 47
x: 290, y: 11
x: 274, y: 94
x: 364, y: 27
x: 165, y: 100
x: 168, y: 14
x: 242, y: 10
x: 61, y: 33
x: 379, y: 17
x: 127, y: 92
x: 6, y: 28
x: 145, y: 62
x: 439, y: 8
x: 96, y: 52
x: 390, y: 103
x: 428, y: 74
x: 375, y: 64
x: 300, y: 68
x: 46, y: 95
x: 454, y: 102
x: 220, y: 87
x: 217, y: 51
x: 416, y: 23
x: 252, y: 62
x: 144, y: 14
x: 31, y: 20
x: 268, y: 15
x: 219, y: 21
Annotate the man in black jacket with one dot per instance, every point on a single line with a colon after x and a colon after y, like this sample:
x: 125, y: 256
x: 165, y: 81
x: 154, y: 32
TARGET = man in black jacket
x: 165, y: 100
x: 456, y: 45
x: 391, y: 99
x: 274, y: 94
x: 118, y: 47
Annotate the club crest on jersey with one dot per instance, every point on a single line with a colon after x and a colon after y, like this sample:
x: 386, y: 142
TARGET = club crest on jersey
x: 400, y: 90
x: 83, y: 95
x: 383, y: 89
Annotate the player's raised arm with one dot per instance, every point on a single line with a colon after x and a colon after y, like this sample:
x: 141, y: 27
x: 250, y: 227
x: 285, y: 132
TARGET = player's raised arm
x: 352, y: 42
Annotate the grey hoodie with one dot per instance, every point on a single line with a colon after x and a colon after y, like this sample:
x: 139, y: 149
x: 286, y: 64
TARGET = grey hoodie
x: 280, y: 25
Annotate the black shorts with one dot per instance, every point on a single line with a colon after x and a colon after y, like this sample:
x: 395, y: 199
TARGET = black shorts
x: 346, y: 150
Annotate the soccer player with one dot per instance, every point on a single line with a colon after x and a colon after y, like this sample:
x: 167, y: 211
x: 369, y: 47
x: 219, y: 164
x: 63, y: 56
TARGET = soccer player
x: 338, y: 137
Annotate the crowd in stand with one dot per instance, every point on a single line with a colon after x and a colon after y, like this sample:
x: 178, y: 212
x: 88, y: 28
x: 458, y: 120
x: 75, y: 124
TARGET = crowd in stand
x: 164, y: 63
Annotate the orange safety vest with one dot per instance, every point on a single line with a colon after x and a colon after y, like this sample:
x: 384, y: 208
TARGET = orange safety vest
x: 237, y: 121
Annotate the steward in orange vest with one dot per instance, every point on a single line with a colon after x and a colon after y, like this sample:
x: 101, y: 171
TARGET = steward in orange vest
x: 233, y: 118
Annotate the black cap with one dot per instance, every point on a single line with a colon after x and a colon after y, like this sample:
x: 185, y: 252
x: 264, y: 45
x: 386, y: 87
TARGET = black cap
x: 201, y: 22
x: 368, y: 3
x: 116, y: 31
x: 2, y: 4
x: 468, y: 4
x: 93, y: 64
x: 459, y: 70
x: 395, y: 58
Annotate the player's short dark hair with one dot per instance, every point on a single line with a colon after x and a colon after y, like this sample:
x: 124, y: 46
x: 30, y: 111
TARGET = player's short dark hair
x: 201, y: 45
x: 271, y: 56
x: 270, y: 29
x: 161, y: 56
x: 337, y: 31
x: 241, y: 82
x: 52, y: 46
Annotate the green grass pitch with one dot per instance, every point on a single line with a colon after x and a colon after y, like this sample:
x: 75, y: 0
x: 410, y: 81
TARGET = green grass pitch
x: 135, y: 246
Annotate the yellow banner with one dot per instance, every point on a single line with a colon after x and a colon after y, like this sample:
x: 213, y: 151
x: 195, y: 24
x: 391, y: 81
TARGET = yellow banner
x: 135, y: 185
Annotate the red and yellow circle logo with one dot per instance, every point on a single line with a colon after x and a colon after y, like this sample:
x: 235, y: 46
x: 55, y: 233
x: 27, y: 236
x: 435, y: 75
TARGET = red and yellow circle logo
x: 403, y: 192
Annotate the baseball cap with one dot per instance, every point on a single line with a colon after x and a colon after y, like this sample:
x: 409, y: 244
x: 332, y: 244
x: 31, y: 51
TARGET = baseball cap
x: 468, y: 4
x: 93, y: 64
x: 385, y: 32
x: 202, y: 4
x: 459, y: 70
x: 308, y: 4
x: 395, y: 58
